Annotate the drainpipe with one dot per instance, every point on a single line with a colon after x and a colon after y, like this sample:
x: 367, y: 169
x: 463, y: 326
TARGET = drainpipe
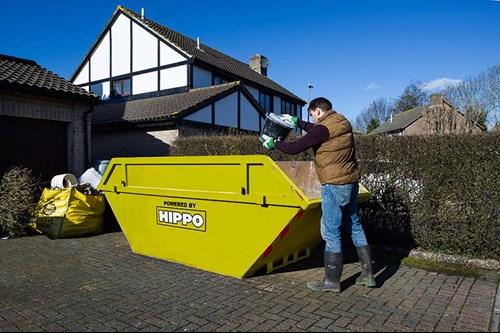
x: 85, y: 135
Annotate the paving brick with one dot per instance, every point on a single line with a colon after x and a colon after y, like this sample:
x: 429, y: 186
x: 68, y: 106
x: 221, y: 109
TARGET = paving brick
x: 97, y: 284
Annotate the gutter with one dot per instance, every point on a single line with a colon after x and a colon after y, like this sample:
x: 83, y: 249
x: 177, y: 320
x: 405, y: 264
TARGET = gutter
x: 85, y: 135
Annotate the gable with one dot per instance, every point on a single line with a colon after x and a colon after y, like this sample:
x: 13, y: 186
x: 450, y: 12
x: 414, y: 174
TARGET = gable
x: 235, y: 110
x: 152, y: 44
x: 399, y: 122
x: 125, y: 47
x: 228, y: 105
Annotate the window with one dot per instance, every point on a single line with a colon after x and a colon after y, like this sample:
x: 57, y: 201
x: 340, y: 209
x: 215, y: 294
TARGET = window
x: 218, y: 80
x: 121, y: 88
x: 288, y: 108
x: 265, y: 102
x: 97, y: 89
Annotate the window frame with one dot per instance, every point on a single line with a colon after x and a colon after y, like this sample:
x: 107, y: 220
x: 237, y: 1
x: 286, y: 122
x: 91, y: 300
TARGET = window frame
x: 121, y: 83
x: 264, y: 100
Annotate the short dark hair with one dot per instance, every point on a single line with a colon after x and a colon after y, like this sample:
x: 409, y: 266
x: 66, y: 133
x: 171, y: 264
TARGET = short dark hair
x: 321, y: 103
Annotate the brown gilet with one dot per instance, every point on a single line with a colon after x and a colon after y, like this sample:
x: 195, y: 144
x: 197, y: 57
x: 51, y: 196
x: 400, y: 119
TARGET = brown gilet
x: 336, y: 157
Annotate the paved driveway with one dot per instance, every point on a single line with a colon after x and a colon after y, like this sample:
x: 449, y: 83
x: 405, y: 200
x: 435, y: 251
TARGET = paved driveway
x: 98, y: 284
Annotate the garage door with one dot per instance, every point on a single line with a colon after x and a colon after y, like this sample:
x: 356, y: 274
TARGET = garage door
x: 40, y: 145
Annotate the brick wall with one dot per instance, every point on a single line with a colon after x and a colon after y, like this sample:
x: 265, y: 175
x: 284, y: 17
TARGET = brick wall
x: 68, y: 111
x: 132, y: 143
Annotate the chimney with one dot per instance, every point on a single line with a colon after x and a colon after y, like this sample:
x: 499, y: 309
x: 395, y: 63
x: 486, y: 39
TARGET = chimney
x: 436, y: 99
x: 260, y: 64
x: 142, y: 13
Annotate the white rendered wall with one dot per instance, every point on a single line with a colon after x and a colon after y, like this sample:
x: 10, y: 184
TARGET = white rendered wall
x: 144, y: 49
x: 249, y: 116
x: 277, y: 105
x: 120, y: 40
x: 226, y: 111
x: 173, y: 77
x: 204, y: 115
x: 145, y: 83
x: 102, y: 89
x: 254, y: 92
x: 168, y: 55
x: 106, y: 90
x: 201, y: 77
x: 99, y: 62
x: 83, y: 76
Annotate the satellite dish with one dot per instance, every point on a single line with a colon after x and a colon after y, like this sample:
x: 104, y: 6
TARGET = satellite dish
x: 264, y: 63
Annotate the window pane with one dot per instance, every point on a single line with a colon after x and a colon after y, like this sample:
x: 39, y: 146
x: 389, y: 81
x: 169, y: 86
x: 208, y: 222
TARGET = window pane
x: 126, y: 87
x: 265, y: 102
x: 117, y: 91
x: 97, y: 89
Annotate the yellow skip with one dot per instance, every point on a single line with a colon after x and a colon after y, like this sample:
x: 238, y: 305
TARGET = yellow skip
x: 233, y: 215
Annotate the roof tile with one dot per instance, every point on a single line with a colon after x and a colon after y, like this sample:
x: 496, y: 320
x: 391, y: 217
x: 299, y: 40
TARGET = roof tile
x: 160, y: 108
x: 211, y: 56
x: 399, y: 121
x: 24, y: 74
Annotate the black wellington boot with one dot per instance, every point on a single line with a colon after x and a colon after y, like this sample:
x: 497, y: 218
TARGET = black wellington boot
x: 366, y: 278
x: 333, y: 272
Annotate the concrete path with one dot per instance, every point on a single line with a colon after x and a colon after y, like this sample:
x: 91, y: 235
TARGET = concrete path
x: 97, y: 284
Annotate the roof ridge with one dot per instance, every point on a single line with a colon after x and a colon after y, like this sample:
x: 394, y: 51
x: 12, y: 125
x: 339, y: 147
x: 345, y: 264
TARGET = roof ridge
x: 27, y: 75
x: 21, y: 60
x: 232, y: 83
x: 227, y: 61
x: 147, y: 23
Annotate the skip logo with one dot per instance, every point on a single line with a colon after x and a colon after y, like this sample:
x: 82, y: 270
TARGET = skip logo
x: 181, y: 218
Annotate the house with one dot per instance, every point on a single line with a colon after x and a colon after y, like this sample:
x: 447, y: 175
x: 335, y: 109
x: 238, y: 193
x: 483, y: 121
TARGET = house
x: 439, y: 117
x: 44, y: 120
x: 157, y: 84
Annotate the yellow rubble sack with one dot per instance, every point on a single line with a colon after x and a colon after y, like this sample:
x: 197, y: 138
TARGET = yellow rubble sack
x: 69, y: 213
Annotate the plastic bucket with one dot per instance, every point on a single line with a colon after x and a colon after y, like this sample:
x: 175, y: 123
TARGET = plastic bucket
x: 276, y: 127
x: 101, y: 166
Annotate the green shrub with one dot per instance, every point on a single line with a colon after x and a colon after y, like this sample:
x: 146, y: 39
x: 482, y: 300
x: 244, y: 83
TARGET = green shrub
x: 436, y: 193
x: 232, y: 144
x: 19, y: 194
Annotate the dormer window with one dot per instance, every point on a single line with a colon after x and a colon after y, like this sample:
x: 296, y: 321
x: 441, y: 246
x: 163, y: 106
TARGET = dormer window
x: 121, y: 88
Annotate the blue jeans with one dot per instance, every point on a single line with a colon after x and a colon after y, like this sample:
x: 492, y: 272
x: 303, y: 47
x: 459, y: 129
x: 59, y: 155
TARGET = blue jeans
x: 339, y: 205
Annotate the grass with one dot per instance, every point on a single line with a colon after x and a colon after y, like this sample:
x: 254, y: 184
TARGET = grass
x: 449, y: 268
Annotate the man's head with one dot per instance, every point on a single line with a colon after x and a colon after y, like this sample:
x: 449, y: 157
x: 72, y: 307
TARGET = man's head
x: 317, y: 107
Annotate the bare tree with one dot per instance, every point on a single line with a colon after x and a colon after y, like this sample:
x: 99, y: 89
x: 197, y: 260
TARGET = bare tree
x: 469, y: 98
x: 374, y: 114
x: 413, y: 96
x: 493, y: 94
x: 442, y: 119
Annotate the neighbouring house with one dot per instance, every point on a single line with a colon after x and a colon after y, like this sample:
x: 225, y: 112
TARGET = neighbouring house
x: 438, y: 117
x: 157, y: 84
x: 44, y: 120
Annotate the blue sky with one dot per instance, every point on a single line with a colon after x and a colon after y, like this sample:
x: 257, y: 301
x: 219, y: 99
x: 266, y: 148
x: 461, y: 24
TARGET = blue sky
x: 350, y: 51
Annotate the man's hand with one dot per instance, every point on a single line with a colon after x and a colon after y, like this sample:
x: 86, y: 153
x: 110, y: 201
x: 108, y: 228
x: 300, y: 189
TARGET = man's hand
x: 269, y: 142
x: 290, y: 118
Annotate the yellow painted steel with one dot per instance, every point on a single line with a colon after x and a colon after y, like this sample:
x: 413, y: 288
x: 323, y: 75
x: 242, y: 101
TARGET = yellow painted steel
x: 232, y: 215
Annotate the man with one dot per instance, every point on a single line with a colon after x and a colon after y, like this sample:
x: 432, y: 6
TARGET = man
x: 331, y: 138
